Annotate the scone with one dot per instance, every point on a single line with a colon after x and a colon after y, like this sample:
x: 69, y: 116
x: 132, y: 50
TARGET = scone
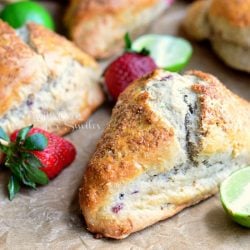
x: 98, y: 27
x: 227, y: 25
x: 45, y: 80
x: 171, y: 140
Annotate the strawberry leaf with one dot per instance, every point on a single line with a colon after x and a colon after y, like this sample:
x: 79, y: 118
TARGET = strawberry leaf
x: 13, y: 187
x: 3, y: 135
x: 36, y: 175
x: 35, y: 142
x: 19, y: 172
x: 4, y: 149
x: 128, y: 46
x: 128, y: 42
x: 14, y: 169
x: 22, y: 134
x: 31, y: 159
x: 24, y: 165
x: 144, y: 52
x: 27, y: 181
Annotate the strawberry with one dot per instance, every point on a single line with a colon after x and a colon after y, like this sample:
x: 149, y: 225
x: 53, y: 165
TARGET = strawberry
x: 127, y: 68
x: 34, y: 156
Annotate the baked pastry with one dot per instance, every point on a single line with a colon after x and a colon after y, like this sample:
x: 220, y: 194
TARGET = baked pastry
x: 45, y: 80
x: 98, y: 27
x: 227, y: 25
x: 171, y: 140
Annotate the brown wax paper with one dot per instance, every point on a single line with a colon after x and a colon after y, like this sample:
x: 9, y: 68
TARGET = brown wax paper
x: 49, y: 217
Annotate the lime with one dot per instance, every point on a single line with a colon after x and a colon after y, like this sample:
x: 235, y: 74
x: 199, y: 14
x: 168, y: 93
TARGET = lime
x: 18, y: 14
x: 235, y: 196
x: 169, y: 52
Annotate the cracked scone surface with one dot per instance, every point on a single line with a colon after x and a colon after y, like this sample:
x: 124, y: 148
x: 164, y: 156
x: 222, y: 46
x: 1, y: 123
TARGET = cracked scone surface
x: 171, y: 140
x: 45, y: 80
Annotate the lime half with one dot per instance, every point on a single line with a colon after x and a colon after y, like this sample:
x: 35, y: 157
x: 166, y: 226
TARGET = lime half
x: 169, y: 52
x: 235, y: 196
x: 20, y: 13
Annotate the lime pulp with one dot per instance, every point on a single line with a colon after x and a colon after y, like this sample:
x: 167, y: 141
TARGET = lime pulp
x: 19, y: 13
x: 235, y: 196
x: 169, y: 52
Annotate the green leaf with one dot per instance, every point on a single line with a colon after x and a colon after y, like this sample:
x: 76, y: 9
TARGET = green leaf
x: 4, y: 149
x: 36, y: 142
x: 128, y: 46
x: 144, y: 52
x: 19, y: 172
x: 13, y: 187
x: 22, y: 134
x: 128, y: 42
x: 32, y: 165
x: 3, y: 135
x: 14, y: 168
x: 36, y: 175
x: 31, y: 159
x: 26, y: 180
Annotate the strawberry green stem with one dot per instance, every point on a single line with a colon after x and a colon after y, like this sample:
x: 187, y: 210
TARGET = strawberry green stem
x: 128, y: 46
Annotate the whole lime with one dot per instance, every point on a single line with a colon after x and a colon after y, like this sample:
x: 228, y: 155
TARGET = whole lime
x: 18, y: 14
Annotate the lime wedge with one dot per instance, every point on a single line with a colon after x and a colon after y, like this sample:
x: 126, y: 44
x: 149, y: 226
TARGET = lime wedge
x: 19, y: 13
x: 235, y: 196
x: 169, y: 52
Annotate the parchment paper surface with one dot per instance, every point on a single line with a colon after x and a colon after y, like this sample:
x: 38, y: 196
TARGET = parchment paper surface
x: 49, y: 218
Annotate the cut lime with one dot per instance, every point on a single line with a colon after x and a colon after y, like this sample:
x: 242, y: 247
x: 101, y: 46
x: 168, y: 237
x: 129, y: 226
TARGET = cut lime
x: 169, y: 52
x: 235, y: 196
x: 18, y: 14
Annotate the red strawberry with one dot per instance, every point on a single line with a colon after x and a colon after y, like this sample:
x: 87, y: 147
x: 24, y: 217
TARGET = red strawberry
x: 33, y: 155
x: 56, y: 156
x: 127, y: 68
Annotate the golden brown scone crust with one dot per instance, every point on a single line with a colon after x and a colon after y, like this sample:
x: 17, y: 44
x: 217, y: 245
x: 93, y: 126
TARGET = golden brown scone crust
x: 222, y: 21
x: 46, y: 44
x: 54, y: 47
x: 93, y: 22
x: 135, y: 134
x: 29, y: 63
x: 224, y: 117
x: 19, y: 66
x: 132, y: 135
x: 234, y: 11
x: 198, y: 30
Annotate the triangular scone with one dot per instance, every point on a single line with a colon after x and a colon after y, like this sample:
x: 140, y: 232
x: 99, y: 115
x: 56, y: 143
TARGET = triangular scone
x: 170, y: 142
x: 45, y: 80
